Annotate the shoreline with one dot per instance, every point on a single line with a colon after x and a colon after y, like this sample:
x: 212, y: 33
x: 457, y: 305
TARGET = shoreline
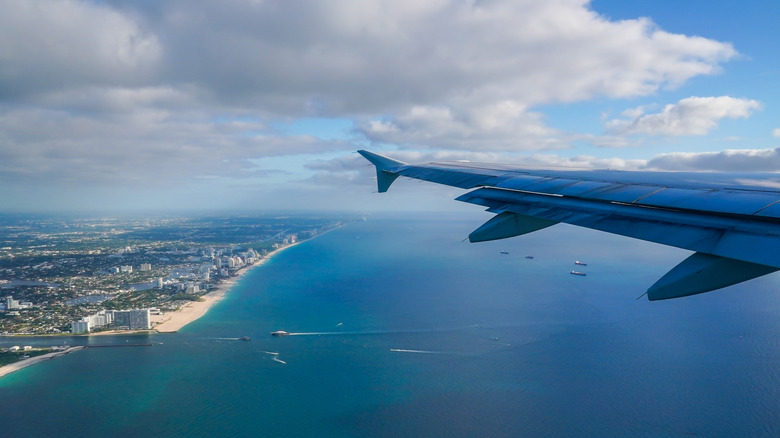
x: 169, y: 322
x: 172, y: 322
x: 24, y: 363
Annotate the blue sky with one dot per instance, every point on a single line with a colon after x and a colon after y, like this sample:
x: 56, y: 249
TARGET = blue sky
x: 259, y: 105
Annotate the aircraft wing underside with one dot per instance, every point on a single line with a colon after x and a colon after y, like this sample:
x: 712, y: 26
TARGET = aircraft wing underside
x: 731, y: 221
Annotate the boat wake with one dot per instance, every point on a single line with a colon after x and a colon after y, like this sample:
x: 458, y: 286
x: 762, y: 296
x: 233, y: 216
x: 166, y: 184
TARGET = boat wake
x: 401, y: 350
x: 382, y: 332
x: 275, y: 357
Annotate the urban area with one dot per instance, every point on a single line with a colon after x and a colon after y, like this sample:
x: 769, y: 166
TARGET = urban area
x: 77, y: 276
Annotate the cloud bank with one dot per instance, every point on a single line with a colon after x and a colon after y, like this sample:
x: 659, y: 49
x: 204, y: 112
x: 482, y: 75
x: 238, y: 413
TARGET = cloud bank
x: 132, y: 92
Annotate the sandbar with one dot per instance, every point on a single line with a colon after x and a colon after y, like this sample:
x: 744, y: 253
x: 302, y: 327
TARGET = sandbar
x: 16, y: 366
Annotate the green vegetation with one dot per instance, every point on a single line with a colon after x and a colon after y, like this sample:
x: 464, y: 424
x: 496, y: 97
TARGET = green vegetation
x: 9, y: 357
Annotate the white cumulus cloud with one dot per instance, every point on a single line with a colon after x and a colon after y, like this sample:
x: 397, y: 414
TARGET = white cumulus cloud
x: 746, y: 160
x: 689, y: 116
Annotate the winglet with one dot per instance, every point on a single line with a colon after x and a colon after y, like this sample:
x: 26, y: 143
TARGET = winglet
x: 385, y: 169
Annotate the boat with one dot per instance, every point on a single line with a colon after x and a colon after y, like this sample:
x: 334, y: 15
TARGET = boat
x: 279, y: 333
x: 578, y: 273
x: 580, y: 263
x: 244, y: 338
x: 504, y: 252
x: 529, y: 257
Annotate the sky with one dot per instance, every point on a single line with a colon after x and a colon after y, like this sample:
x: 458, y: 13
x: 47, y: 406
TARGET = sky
x: 120, y: 106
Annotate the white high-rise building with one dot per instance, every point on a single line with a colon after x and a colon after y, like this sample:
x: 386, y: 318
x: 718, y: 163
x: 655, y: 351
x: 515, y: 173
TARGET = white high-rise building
x: 80, y: 326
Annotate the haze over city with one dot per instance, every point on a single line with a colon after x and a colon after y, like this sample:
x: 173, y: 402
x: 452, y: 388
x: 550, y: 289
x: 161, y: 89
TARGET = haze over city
x: 169, y: 106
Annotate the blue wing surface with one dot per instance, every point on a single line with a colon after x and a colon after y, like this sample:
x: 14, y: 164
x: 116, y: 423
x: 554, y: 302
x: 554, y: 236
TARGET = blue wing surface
x: 731, y: 221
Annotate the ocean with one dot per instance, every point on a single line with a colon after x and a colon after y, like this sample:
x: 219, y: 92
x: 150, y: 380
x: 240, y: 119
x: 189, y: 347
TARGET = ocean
x: 402, y: 330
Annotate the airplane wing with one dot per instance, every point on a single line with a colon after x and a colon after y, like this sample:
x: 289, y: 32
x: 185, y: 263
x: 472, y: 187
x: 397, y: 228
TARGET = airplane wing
x: 730, y: 221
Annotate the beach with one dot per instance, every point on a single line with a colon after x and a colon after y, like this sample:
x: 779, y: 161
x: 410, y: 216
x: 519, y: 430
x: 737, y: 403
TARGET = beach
x: 16, y: 366
x: 172, y: 322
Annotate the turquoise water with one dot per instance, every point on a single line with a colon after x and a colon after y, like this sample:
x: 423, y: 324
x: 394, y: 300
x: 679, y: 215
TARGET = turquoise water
x: 402, y: 330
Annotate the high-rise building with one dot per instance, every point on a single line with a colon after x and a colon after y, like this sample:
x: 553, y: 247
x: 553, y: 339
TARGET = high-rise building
x: 134, y: 319
x: 80, y: 326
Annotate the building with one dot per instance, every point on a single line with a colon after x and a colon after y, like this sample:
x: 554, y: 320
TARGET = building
x: 135, y: 319
x: 126, y: 268
x: 80, y: 326
x: 160, y: 283
x: 12, y: 304
x: 146, y: 267
x: 87, y: 323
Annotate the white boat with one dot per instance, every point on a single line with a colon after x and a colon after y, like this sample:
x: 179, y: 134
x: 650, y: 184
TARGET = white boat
x: 279, y: 333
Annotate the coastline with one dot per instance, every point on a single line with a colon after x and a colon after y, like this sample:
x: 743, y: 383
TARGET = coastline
x: 24, y: 363
x: 172, y: 322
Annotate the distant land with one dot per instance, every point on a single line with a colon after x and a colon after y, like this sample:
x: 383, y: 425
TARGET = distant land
x: 80, y: 276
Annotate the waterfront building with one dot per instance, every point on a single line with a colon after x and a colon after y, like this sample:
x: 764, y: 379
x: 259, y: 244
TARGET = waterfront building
x: 160, y: 283
x: 126, y: 268
x: 87, y: 323
x: 135, y: 319
x: 146, y: 267
x: 81, y: 326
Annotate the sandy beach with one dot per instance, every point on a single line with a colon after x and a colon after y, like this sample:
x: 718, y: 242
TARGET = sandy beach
x: 173, y: 321
x: 16, y: 366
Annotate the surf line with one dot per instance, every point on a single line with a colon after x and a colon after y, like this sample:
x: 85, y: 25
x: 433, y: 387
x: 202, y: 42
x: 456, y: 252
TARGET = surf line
x: 275, y: 357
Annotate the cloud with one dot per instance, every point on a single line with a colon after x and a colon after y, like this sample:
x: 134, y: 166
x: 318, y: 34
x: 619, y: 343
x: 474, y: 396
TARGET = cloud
x: 749, y: 160
x: 58, y: 45
x: 144, y: 147
x: 102, y: 93
x: 690, y: 116
x: 503, y: 126
x: 776, y: 132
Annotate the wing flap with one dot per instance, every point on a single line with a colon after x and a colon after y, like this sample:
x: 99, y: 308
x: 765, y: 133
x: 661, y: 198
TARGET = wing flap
x: 701, y: 273
x: 508, y: 224
x: 724, y: 236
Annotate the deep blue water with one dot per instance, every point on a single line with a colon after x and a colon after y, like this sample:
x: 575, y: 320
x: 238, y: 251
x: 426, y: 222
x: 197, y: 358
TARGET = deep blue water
x: 422, y: 335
